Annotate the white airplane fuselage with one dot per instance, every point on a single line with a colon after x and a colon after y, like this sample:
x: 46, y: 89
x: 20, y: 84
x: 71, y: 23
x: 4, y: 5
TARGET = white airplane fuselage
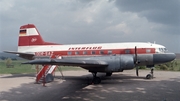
x: 119, y: 56
x: 148, y: 54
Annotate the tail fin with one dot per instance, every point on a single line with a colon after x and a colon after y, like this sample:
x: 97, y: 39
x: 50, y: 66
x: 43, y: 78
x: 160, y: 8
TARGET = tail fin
x: 29, y: 36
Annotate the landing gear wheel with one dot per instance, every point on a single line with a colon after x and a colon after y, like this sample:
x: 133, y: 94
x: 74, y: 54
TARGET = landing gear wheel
x: 108, y: 73
x: 96, y: 80
x: 149, y: 76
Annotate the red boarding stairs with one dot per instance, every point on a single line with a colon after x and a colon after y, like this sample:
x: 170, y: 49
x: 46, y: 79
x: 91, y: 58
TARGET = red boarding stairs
x: 46, y: 73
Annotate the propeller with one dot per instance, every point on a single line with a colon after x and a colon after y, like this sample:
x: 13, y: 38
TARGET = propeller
x: 136, y: 61
x: 137, y: 72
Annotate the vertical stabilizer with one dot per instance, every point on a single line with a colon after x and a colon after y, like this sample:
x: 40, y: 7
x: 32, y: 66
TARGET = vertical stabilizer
x: 30, y: 36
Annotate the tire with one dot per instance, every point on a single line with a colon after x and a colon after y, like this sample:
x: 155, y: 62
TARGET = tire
x: 108, y: 73
x: 97, y: 80
x: 149, y: 76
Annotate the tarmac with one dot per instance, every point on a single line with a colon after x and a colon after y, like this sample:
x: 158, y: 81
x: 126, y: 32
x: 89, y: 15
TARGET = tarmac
x: 122, y: 86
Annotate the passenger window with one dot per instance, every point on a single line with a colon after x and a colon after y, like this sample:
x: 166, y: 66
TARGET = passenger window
x: 109, y: 52
x: 148, y: 50
x: 84, y: 52
x: 93, y: 52
x: 76, y: 53
x: 69, y: 53
x: 127, y: 51
x: 101, y: 52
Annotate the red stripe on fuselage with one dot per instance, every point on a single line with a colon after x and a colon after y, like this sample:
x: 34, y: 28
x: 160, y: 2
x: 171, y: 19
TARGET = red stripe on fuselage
x: 96, y: 52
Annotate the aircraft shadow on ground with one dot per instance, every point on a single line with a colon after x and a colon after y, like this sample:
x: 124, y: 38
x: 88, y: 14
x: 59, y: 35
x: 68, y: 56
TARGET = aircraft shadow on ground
x: 117, y: 87
x: 129, y: 89
x: 112, y: 79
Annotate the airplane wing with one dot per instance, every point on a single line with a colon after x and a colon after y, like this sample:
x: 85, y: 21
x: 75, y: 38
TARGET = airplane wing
x: 69, y: 62
x: 23, y: 55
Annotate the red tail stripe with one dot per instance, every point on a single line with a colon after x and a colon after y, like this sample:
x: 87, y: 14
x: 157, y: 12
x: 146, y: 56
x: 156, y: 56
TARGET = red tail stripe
x: 28, y: 26
x: 33, y: 39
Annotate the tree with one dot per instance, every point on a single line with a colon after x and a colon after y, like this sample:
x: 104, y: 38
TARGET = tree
x: 8, y: 63
x: 3, y: 58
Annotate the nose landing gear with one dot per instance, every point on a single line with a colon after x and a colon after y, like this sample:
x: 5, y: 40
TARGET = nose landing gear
x: 150, y: 76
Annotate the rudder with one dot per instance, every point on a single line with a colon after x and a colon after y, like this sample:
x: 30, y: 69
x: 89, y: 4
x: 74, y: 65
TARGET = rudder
x: 30, y: 36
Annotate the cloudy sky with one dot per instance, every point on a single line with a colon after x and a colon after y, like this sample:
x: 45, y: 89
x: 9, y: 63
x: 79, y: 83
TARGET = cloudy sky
x: 93, y: 21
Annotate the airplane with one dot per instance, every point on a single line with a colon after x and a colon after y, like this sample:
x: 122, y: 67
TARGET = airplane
x: 102, y: 57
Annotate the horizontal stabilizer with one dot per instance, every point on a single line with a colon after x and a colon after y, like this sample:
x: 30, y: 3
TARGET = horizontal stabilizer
x: 23, y: 55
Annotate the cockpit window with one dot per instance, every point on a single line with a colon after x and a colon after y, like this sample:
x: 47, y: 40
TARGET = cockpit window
x: 162, y: 49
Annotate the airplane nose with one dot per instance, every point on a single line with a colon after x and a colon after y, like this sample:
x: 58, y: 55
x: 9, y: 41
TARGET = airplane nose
x: 162, y: 58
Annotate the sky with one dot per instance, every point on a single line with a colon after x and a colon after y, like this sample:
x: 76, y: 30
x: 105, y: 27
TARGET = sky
x: 93, y: 21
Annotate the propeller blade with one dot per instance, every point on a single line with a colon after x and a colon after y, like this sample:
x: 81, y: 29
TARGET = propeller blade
x: 137, y: 71
x: 135, y: 49
x: 136, y: 61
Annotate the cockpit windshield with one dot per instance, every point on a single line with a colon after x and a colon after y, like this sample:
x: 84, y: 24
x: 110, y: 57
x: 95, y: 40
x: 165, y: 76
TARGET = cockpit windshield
x: 161, y: 50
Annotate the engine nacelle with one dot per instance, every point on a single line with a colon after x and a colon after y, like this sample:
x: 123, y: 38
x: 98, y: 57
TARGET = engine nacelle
x: 120, y: 62
x: 127, y: 62
x: 116, y: 63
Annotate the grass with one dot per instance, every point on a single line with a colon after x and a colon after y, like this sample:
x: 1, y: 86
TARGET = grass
x: 17, y: 69
x: 170, y: 66
x: 22, y: 68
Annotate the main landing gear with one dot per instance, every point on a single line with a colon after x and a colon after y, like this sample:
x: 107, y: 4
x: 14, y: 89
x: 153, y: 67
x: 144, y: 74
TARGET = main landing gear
x: 108, y: 73
x: 96, y: 80
x: 150, y: 76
